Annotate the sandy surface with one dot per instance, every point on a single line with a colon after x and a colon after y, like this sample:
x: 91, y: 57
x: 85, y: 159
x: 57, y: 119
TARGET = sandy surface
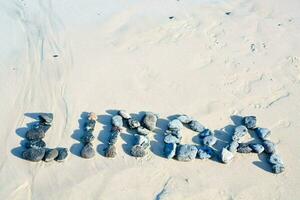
x: 130, y: 55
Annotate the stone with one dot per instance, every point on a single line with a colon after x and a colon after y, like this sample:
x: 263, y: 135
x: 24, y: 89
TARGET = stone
x: 35, y: 144
x: 249, y: 122
x: 113, y: 137
x: 226, y: 156
x: 111, y: 151
x: 89, y: 125
x: 171, y: 139
x: 150, y: 120
x: 244, y: 148
x: 257, y: 148
x: 142, y: 141
x: 87, y: 151
x: 186, y: 152
x: 185, y: 119
x: 176, y: 133
x: 62, y: 154
x: 138, y: 151
x: 133, y: 123
x: 46, y: 118
x: 124, y: 114
x: 233, y: 146
x: 278, y: 168
x: 240, y: 131
x: 275, y: 159
x: 175, y: 124
x: 117, y: 121
x: 143, y: 131
x: 34, y: 154
x: 238, y: 139
x: 50, y: 155
x: 209, y: 140
x: 269, y: 146
x: 34, y: 134
x: 262, y: 133
x: 170, y: 150
x: 205, y: 152
x: 87, y: 138
x: 40, y: 127
x: 92, y: 117
x: 196, y: 126
x: 205, y: 133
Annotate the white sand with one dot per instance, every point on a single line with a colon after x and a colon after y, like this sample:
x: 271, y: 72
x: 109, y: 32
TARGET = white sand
x: 130, y: 55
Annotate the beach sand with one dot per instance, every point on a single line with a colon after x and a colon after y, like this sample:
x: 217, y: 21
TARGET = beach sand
x: 212, y: 60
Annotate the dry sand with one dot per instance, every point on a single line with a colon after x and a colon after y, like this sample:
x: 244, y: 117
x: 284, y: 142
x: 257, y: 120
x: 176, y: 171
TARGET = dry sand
x: 71, y: 57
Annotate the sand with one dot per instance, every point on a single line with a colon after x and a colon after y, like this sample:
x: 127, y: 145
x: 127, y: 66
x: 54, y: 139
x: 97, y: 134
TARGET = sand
x: 208, y: 59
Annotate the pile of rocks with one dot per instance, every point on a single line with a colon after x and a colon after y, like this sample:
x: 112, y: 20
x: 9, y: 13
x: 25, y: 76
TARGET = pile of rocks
x: 88, y: 150
x: 36, y: 147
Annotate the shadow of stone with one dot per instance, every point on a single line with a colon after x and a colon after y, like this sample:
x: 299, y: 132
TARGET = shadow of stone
x: 77, y: 134
x: 263, y: 163
x: 33, y: 115
x: 157, y: 145
x: 237, y: 119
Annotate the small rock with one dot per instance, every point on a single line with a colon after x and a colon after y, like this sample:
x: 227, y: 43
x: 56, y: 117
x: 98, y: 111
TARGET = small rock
x: 269, y: 146
x: 278, y: 168
x: 257, y: 148
x: 138, y: 151
x: 238, y: 139
x: 111, y: 151
x: 205, y: 133
x: 233, y: 146
x: 89, y: 125
x: 150, y: 120
x: 46, y: 118
x: 176, y: 133
x: 205, y: 152
x: 40, y: 127
x: 275, y: 159
x: 117, y: 121
x: 250, y: 122
x: 209, y: 140
x: 185, y: 119
x: 34, y: 154
x: 171, y: 139
x: 87, y: 151
x: 143, y: 131
x: 175, y: 124
x: 133, y: 123
x: 124, y: 114
x: 92, y: 117
x: 50, y: 155
x: 36, y: 144
x: 142, y: 141
x: 263, y: 133
x: 186, y: 152
x: 87, y: 138
x: 113, y: 138
x: 170, y: 150
x: 196, y: 126
x: 240, y: 131
x: 226, y: 156
x: 244, y: 148
x: 34, y: 134
x: 62, y: 154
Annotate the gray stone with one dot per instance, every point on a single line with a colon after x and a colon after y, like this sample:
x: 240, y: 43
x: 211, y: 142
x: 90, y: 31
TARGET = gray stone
x: 50, y: 155
x: 133, y: 123
x: 196, y: 126
x: 35, y: 144
x: 250, y: 122
x: 142, y: 141
x: 275, y: 159
x: 171, y: 139
x: 62, y: 154
x: 233, y: 146
x: 113, y: 137
x: 117, y: 121
x: 87, y: 138
x: 278, y: 168
x: 240, y: 131
x: 150, y: 120
x: 124, y: 114
x: 257, y: 148
x: 89, y: 125
x: 186, y: 152
x: 34, y: 134
x: 185, y: 119
x: 205, y: 133
x: 40, y: 127
x: 111, y: 151
x: 244, y: 148
x: 87, y: 151
x: 46, y: 118
x: 238, y: 139
x: 176, y: 133
x: 175, y: 124
x: 269, y: 146
x: 34, y: 154
x: 226, y: 156
x: 263, y: 133
x: 205, y: 152
x: 138, y: 151
x: 143, y: 131
x: 170, y: 150
x: 209, y: 140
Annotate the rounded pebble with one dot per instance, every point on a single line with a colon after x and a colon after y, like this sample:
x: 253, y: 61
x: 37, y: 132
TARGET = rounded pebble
x: 269, y: 146
x: 171, y: 139
x: 205, y: 152
x: 124, y: 114
x: 87, y: 138
x: 196, y: 126
x: 244, y: 148
x: 170, y: 150
x: 226, y: 156
x: 233, y: 146
x: 138, y: 151
x: 87, y: 151
x: 209, y: 140
x: 34, y: 134
x: 240, y: 131
x: 117, y: 121
x: 111, y: 151
x: 275, y: 159
x: 143, y: 131
x: 150, y: 120
x: 175, y: 124
x: 186, y: 152
x: 185, y: 119
x: 92, y: 117
x: 250, y: 122
x: 89, y: 125
x: 50, y: 155
x: 34, y: 154
x: 35, y: 144
x: 133, y: 123
x: 278, y: 168
x: 62, y: 154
